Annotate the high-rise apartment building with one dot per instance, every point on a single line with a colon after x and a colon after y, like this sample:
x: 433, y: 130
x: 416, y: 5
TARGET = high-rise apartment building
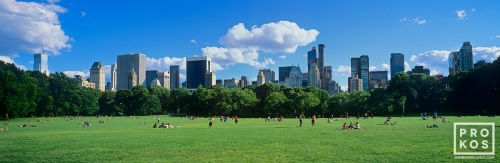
x: 41, y: 63
x: 397, y: 63
x: 196, y: 70
x: 97, y: 76
x: 164, y: 78
x: 466, y: 57
x: 113, y: 77
x: 174, y: 77
x: 314, y: 80
x: 419, y: 69
x: 269, y: 75
x: 294, y: 79
x: 355, y: 67
x: 454, y: 62
x: 243, y: 81
x: 126, y: 63
x: 131, y: 79
x: 365, y: 72
x: 261, y: 79
x: 312, y: 57
x: 321, y: 65
x: 150, y: 76
x: 355, y: 84
x: 209, y: 79
x: 378, y: 79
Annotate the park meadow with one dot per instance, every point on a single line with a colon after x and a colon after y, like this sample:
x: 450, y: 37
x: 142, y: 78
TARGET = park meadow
x: 133, y: 139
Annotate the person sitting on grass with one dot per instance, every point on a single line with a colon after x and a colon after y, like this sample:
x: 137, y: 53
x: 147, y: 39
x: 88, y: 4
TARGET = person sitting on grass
x: 444, y: 120
x: 329, y: 120
x: 155, y: 126
x: 386, y: 122
x: 345, y: 126
x: 357, y: 125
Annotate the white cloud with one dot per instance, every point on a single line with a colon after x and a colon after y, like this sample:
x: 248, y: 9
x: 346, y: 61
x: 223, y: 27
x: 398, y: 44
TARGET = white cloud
x: 417, y: 20
x: 232, y: 56
x: 193, y: 41
x: 31, y: 62
x: 488, y: 54
x: 6, y: 59
x: 382, y: 67
x: 407, y: 66
x: 242, y: 46
x: 434, y: 59
x: 283, y: 36
x: 461, y: 14
x: 182, y: 76
x: 83, y: 14
x: 72, y: 74
x: 434, y: 72
x: 497, y: 36
x: 53, y: 1
x: 473, y: 10
x: 30, y: 26
x: 342, y: 70
x: 163, y: 64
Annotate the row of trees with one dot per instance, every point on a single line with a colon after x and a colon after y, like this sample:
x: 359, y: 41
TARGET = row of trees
x: 31, y: 93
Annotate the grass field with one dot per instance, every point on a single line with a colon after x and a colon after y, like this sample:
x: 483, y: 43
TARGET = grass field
x: 251, y: 140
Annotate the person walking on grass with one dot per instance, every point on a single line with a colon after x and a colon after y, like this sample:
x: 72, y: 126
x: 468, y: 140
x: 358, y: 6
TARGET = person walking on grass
x: 300, y: 120
x: 314, y: 120
x: 211, y: 123
x: 236, y: 119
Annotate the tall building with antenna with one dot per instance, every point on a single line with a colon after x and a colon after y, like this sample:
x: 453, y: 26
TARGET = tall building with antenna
x: 41, y: 63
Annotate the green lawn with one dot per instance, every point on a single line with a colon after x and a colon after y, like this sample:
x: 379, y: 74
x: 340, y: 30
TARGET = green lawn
x: 251, y: 140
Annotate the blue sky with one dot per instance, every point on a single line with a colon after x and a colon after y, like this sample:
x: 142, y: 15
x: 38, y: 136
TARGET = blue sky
x: 245, y: 36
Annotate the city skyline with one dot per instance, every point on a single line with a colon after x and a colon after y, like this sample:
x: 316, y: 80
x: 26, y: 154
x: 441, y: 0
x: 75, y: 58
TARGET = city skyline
x: 85, y: 32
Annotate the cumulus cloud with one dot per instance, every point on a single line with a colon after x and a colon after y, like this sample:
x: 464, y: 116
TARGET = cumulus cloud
x: 163, y: 64
x: 417, y: 20
x: 72, y: 74
x: 30, y: 27
x: 434, y: 59
x: 83, y: 14
x: 407, y: 66
x: 283, y: 36
x: 473, y: 10
x: 434, y: 72
x: 7, y: 59
x: 231, y: 56
x: 382, y: 67
x: 342, y: 70
x: 193, y: 41
x: 461, y: 14
x: 242, y: 45
x: 488, y: 54
x: 283, y: 56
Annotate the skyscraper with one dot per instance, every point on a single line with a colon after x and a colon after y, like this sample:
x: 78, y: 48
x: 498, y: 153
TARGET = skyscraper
x: 164, y: 78
x: 41, y: 63
x: 378, y: 79
x: 284, y: 72
x: 312, y: 57
x: 294, y: 79
x: 210, y: 79
x: 261, y: 79
x: 126, y: 63
x: 355, y: 84
x: 113, y: 77
x: 321, y: 65
x: 365, y: 72
x: 454, y: 61
x: 97, y: 76
x: 150, y: 76
x: 243, y: 81
x: 196, y: 69
x: 313, y: 76
x: 397, y: 63
x: 466, y: 57
x: 269, y: 75
x: 174, y: 77
x: 355, y: 67
x: 132, y: 79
